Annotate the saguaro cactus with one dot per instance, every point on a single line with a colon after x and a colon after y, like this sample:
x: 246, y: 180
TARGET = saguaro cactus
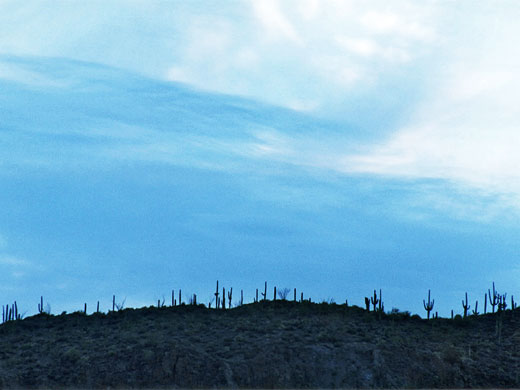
x: 428, y: 306
x: 216, y: 297
x: 502, y: 303
x: 264, y: 294
x: 367, y: 303
x: 465, y: 306
x: 374, y: 300
x: 40, y: 305
x: 493, y: 300
x: 10, y: 313
x: 230, y: 296
x: 475, y: 311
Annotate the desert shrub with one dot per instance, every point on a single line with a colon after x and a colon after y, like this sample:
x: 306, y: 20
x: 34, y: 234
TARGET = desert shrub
x: 450, y: 354
x: 283, y: 293
x: 461, y: 322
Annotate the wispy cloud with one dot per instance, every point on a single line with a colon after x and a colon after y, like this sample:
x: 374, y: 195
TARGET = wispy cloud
x: 400, y: 22
x: 334, y: 58
x: 403, y: 71
x: 15, y: 266
x: 340, y: 48
x: 13, y: 261
x: 277, y: 25
x: 443, y: 142
x: 465, y: 130
x: 12, y: 72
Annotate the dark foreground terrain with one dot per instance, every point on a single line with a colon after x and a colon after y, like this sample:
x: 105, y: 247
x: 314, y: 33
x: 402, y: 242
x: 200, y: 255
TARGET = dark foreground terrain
x: 264, y: 345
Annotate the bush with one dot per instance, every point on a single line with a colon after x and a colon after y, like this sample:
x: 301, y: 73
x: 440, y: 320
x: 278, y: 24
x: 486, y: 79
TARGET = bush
x: 283, y: 293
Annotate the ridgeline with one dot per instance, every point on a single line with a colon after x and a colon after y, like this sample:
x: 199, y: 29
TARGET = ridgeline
x: 267, y: 344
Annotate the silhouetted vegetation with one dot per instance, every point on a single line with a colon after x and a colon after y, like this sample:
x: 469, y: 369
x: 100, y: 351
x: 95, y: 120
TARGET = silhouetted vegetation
x: 278, y: 343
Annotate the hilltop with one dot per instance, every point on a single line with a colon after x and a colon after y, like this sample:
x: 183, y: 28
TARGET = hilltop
x: 268, y: 344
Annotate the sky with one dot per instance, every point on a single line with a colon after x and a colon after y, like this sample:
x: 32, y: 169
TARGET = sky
x: 333, y: 146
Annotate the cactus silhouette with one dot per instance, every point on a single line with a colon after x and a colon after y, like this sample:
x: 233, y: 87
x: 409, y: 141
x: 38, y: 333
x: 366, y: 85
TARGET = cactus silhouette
x: 475, y: 311
x: 493, y: 300
x: 216, y: 297
x: 428, y: 306
x: 465, y: 306
x: 230, y: 296
x: 374, y: 300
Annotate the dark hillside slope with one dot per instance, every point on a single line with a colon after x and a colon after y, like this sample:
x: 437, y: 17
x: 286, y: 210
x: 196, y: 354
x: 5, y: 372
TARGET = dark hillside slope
x: 264, y: 345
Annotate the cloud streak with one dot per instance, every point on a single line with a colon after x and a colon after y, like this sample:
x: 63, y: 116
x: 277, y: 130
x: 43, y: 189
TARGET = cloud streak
x: 451, y: 145
x: 466, y: 130
x: 437, y: 99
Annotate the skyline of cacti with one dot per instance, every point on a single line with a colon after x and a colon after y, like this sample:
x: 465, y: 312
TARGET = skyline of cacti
x: 374, y: 303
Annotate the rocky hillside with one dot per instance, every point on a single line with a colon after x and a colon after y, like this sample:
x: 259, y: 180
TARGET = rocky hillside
x: 263, y: 345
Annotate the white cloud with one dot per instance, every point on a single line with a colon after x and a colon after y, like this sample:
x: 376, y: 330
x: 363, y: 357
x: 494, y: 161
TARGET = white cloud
x: 246, y: 58
x: 270, y: 14
x: 12, y: 72
x: 394, y: 23
x: 12, y: 261
x: 483, y: 159
x: 176, y: 73
x: 315, y: 53
x: 361, y: 46
x: 466, y: 130
x: 339, y: 71
x: 310, y: 55
x: 383, y: 22
x: 265, y: 49
x: 469, y: 83
x: 271, y: 143
x: 308, y: 9
x: 370, y: 48
x: 302, y: 105
x: 209, y: 37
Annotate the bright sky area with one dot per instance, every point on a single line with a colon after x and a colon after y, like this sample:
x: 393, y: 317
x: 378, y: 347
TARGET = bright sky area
x: 332, y: 146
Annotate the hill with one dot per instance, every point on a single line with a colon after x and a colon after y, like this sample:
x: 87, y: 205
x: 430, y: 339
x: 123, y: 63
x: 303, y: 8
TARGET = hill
x: 267, y: 344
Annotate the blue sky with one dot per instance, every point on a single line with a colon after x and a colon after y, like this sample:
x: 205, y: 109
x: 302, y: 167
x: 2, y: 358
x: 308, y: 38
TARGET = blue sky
x: 335, y: 147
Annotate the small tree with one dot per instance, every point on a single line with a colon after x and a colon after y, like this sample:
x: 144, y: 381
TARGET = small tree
x: 119, y: 306
x: 282, y: 293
